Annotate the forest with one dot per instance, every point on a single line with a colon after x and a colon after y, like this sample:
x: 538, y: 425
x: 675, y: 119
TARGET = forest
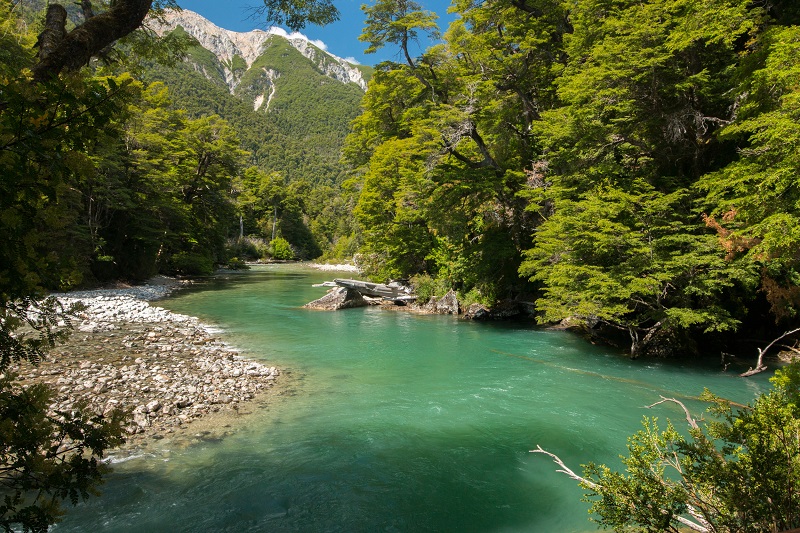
x: 630, y: 168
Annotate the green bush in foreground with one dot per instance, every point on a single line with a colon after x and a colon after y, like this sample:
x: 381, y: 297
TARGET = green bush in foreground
x: 190, y: 264
x: 737, y: 473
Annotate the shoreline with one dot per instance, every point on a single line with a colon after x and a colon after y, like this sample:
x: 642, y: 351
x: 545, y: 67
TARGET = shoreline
x: 168, y: 370
x: 341, y: 267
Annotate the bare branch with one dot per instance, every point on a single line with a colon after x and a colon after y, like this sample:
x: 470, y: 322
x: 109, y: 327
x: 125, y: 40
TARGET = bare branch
x: 691, y: 525
x: 760, y: 366
x: 689, y: 418
x: 565, y: 469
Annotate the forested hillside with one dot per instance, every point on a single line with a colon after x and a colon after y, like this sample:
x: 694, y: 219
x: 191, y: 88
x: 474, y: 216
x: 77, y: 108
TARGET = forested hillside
x: 630, y: 166
x: 296, y: 140
x: 184, y: 169
x: 627, y: 167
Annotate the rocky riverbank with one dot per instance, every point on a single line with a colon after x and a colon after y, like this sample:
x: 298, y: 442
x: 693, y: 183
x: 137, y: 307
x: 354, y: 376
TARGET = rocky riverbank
x: 341, y: 267
x: 345, y: 298
x: 166, y: 369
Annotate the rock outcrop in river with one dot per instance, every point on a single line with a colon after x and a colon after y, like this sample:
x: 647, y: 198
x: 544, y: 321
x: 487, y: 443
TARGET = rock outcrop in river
x: 338, y: 298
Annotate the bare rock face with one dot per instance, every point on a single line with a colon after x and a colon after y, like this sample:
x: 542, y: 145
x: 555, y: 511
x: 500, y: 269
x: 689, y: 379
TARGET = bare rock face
x: 338, y: 298
x: 249, y: 46
x: 446, y: 305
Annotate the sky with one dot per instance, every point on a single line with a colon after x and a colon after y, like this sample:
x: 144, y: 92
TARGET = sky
x: 339, y: 38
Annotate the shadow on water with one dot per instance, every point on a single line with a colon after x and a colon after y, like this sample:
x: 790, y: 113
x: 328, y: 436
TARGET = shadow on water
x: 346, y: 482
x: 226, y: 280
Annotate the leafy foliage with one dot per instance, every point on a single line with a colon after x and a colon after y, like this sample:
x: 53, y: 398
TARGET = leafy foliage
x: 48, y: 457
x: 754, y: 202
x: 634, y: 162
x: 297, y: 14
x: 735, y: 473
x: 281, y: 249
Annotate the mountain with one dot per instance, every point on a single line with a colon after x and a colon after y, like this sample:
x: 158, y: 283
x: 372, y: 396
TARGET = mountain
x: 238, y: 53
x: 290, y: 101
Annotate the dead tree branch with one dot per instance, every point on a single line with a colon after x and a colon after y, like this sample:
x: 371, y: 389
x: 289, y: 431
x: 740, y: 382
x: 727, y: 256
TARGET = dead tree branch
x: 565, y: 469
x: 689, y: 418
x: 760, y: 366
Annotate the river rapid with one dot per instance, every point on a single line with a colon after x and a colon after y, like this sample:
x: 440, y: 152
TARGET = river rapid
x: 393, y: 421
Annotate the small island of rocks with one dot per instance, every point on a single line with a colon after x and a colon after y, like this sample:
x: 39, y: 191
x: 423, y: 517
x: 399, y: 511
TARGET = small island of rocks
x: 164, y: 368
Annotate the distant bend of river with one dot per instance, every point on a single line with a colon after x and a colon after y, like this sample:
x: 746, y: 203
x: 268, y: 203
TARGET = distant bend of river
x: 397, y: 422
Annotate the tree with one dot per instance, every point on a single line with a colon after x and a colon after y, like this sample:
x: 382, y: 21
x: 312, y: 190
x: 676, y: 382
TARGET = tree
x: 397, y: 22
x: 644, y: 93
x: 753, y: 203
x: 738, y: 473
x: 60, y: 50
x: 442, y: 142
x: 633, y: 262
x: 45, y: 130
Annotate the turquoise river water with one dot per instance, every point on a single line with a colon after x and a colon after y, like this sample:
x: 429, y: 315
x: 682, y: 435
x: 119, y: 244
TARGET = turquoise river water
x: 394, y: 422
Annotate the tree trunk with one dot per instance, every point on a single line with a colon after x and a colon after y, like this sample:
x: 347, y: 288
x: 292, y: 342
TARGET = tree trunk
x: 71, y: 51
x: 634, y: 342
x: 638, y: 345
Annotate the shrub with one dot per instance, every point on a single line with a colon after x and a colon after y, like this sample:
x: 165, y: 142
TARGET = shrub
x: 281, y: 249
x: 426, y: 287
x: 473, y: 296
x: 234, y: 263
x: 251, y: 248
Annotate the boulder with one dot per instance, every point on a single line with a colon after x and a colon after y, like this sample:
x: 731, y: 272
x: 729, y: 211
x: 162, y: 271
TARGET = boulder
x: 506, y: 309
x: 446, y: 305
x: 477, y: 311
x: 338, y: 298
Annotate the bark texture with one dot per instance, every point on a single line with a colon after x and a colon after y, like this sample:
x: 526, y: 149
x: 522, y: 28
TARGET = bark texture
x: 59, y: 51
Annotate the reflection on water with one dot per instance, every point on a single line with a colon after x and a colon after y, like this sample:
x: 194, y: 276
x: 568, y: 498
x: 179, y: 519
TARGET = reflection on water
x: 392, y: 421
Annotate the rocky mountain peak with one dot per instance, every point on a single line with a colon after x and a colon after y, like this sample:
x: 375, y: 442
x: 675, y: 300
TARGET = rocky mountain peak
x: 226, y: 45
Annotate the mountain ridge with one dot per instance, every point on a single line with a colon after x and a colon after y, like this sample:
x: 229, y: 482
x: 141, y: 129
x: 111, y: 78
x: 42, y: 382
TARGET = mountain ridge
x: 227, y: 45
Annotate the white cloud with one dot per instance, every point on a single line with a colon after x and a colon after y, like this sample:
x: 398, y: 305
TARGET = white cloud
x: 275, y: 30
x: 319, y: 44
x: 352, y: 60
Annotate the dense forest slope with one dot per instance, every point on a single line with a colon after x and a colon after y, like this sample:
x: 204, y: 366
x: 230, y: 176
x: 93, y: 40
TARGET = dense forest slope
x: 630, y: 166
x: 193, y: 166
x: 290, y: 102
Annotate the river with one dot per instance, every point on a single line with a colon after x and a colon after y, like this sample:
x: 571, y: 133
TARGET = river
x: 393, y: 421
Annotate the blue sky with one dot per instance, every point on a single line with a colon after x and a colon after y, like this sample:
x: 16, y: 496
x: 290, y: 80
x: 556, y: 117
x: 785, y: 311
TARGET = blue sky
x: 340, y: 38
